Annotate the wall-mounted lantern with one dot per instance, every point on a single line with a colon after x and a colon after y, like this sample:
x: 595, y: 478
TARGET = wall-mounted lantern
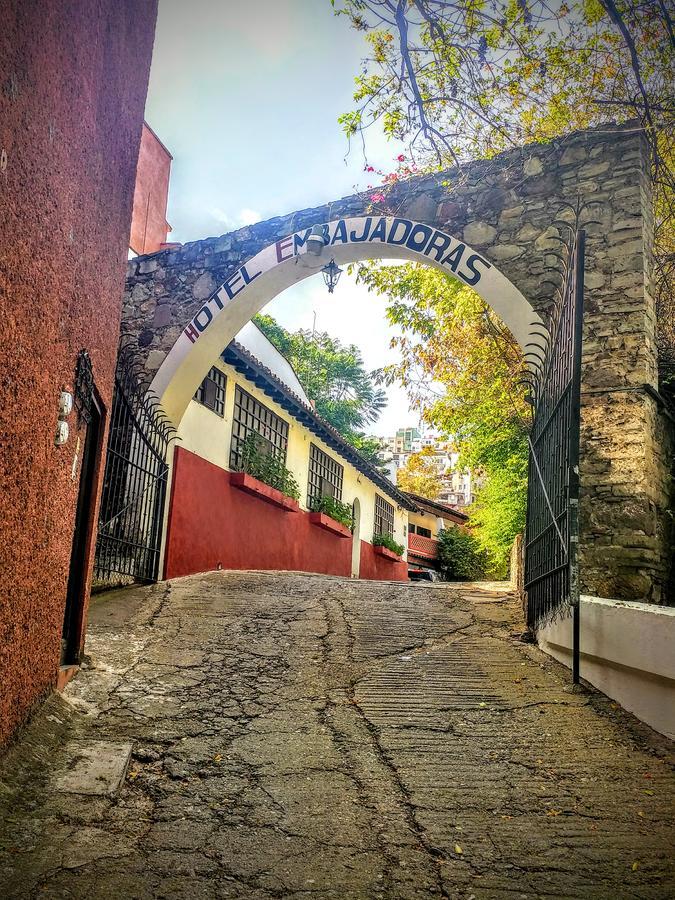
x: 316, y: 240
x: 331, y: 275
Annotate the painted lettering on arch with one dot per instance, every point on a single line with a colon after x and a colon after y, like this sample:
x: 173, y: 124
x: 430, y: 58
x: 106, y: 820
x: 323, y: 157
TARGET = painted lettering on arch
x: 439, y: 248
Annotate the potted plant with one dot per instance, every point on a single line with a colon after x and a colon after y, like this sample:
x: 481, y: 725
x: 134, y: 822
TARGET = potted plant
x: 265, y: 475
x: 332, y: 515
x: 386, y: 546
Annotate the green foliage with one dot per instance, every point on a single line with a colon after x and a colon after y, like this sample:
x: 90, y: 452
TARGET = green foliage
x: 265, y: 466
x: 459, y: 78
x: 461, y: 556
x: 462, y: 79
x: 461, y: 369
x: 498, y: 514
x: 369, y: 447
x: 332, y: 375
x: 420, y: 475
x: 386, y: 540
x: 341, y: 512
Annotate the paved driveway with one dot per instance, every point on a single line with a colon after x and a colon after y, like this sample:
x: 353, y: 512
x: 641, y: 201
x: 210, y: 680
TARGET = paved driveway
x: 311, y: 737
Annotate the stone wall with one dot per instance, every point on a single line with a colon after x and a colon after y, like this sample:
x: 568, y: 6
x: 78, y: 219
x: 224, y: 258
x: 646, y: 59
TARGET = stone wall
x: 504, y: 208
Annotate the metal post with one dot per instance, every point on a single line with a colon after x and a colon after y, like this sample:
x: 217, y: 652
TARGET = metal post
x: 574, y: 437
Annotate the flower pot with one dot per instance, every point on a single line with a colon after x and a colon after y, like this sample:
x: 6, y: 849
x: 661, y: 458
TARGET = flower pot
x: 328, y: 524
x: 387, y: 553
x: 250, y: 485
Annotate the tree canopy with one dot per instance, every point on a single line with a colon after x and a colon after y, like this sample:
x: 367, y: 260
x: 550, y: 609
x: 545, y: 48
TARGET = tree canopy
x: 461, y: 368
x: 334, y: 377
x: 420, y: 475
x: 458, y: 79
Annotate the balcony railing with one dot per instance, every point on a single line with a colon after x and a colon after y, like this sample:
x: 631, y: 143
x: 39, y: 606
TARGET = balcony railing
x: 423, y: 546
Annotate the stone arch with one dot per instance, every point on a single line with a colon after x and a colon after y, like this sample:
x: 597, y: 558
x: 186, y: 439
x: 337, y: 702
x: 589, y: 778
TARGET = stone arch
x: 504, y: 209
x: 288, y: 261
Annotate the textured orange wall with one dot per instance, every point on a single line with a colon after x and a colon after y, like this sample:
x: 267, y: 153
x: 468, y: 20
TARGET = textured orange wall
x: 149, y: 227
x: 74, y: 80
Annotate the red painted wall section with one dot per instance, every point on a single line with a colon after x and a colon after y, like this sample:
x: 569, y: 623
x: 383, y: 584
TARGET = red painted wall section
x: 377, y: 568
x: 149, y: 228
x: 74, y: 81
x: 212, y: 524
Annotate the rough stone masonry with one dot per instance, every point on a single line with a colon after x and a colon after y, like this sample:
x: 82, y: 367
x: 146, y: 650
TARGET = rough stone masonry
x: 504, y: 208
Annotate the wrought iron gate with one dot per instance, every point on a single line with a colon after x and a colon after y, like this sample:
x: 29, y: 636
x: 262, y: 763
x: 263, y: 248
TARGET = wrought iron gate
x: 552, y: 528
x: 134, y: 485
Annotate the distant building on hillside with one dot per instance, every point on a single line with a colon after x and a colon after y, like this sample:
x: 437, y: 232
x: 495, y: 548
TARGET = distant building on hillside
x: 458, y: 486
x: 406, y: 440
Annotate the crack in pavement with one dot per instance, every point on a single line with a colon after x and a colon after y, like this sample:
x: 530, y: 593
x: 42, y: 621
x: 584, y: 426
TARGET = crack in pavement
x: 297, y: 735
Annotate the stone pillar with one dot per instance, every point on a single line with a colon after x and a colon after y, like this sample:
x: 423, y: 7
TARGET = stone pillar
x: 624, y: 483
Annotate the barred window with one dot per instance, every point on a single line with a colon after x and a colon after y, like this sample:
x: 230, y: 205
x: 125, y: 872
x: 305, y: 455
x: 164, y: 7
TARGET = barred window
x: 384, y: 516
x: 211, y: 392
x: 325, y: 476
x: 251, y: 417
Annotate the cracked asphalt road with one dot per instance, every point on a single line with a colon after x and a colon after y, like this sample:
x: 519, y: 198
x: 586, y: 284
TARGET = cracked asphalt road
x: 304, y: 736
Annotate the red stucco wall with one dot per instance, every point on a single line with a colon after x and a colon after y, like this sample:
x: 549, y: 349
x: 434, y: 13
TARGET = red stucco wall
x: 74, y: 79
x: 149, y: 227
x: 213, y: 524
x: 379, y: 568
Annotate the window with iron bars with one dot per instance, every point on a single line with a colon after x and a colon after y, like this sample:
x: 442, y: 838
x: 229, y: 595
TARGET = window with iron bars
x: 325, y: 476
x: 211, y: 392
x: 384, y: 516
x: 251, y: 417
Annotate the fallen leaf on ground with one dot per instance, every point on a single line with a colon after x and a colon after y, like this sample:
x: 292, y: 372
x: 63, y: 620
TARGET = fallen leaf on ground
x: 635, y: 866
x: 458, y: 849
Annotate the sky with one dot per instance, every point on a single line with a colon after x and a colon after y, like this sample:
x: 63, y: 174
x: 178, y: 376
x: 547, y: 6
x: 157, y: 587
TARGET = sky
x: 246, y: 96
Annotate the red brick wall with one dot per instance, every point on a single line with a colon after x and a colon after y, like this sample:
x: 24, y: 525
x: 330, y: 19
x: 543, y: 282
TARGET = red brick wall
x: 74, y: 80
x: 212, y: 525
x: 149, y: 227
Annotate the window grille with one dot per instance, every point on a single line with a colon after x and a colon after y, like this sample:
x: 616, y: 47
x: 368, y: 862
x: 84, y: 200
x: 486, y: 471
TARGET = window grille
x: 211, y: 392
x: 325, y: 476
x: 384, y: 516
x: 251, y: 417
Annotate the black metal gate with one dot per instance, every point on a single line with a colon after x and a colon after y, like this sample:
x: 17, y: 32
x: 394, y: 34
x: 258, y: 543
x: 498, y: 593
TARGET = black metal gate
x: 134, y: 485
x: 552, y: 528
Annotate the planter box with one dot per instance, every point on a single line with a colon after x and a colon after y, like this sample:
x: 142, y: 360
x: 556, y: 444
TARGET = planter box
x: 387, y: 553
x: 328, y: 524
x: 245, y: 482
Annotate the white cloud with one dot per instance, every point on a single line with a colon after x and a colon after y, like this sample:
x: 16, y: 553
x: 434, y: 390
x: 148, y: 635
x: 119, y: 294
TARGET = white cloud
x: 245, y: 216
x: 221, y: 216
x: 248, y: 216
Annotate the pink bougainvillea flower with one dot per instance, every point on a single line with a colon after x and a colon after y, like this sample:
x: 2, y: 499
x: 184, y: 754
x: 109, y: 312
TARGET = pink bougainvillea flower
x: 377, y: 198
x: 400, y: 157
x: 369, y: 169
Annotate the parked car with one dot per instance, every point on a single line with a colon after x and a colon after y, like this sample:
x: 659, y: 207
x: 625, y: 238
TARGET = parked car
x: 422, y: 575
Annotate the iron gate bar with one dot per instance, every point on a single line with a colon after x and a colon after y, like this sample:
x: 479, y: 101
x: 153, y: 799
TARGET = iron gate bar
x: 135, y: 481
x: 551, y: 541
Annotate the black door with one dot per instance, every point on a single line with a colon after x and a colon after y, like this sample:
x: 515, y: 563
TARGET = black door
x: 84, y: 523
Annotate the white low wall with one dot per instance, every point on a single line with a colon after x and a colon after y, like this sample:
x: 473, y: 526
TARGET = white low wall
x: 627, y: 652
